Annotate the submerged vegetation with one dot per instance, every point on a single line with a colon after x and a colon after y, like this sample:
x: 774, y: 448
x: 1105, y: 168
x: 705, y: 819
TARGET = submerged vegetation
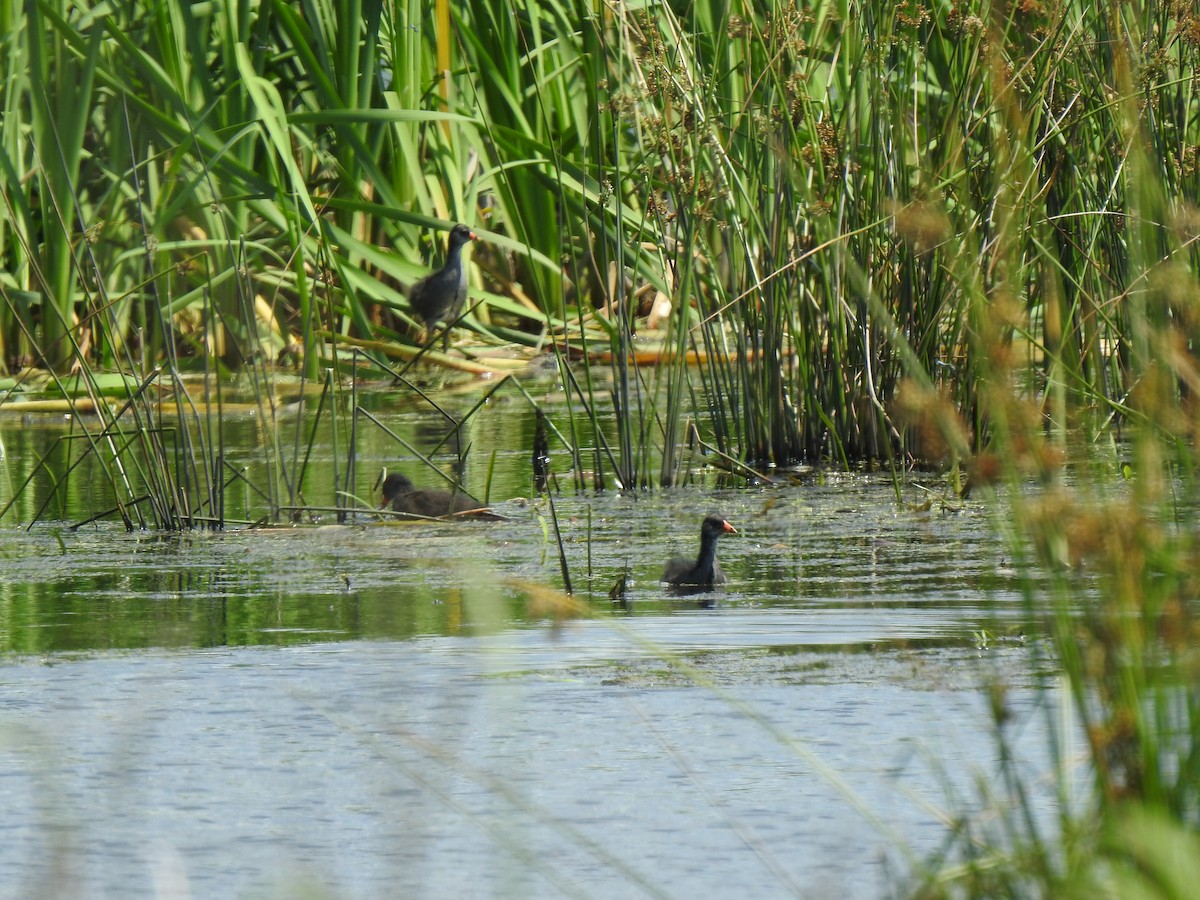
x: 957, y: 234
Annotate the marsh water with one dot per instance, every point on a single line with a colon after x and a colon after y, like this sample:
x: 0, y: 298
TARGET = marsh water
x: 382, y: 709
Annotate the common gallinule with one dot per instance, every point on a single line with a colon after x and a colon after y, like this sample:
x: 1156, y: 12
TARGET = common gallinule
x: 439, y: 296
x: 429, y: 503
x: 703, y: 571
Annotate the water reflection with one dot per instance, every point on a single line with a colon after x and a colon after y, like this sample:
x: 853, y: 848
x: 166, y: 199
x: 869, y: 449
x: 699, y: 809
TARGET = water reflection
x: 379, y: 709
x: 435, y: 766
x: 870, y: 574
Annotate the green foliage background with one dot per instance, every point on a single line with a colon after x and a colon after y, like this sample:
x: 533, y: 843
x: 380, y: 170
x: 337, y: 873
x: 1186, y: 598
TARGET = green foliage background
x: 831, y: 196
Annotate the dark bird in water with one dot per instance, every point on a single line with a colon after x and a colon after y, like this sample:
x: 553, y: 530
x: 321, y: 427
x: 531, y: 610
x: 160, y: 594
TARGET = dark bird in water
x: 401, y: 496
x: 440, y: 295
x: 703, y: 571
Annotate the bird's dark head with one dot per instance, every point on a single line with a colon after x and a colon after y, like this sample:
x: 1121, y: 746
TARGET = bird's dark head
x: 461, y: 234
x: 715, y: 524
x: 395, y: 485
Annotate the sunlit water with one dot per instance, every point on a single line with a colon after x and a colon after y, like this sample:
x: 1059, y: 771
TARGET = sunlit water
x: 381, y: 710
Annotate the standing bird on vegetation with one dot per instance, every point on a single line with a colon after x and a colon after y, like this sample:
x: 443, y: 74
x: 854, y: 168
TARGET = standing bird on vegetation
x: 439, y: 296
x: 703, y: 571
x: 430, y: 503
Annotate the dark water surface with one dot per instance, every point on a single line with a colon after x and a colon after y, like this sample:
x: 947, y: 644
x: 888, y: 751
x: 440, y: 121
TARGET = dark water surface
x: 382, y: 709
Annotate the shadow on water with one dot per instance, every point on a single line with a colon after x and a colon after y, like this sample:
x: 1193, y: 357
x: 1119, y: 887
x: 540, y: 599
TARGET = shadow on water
x: 389, y: 708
